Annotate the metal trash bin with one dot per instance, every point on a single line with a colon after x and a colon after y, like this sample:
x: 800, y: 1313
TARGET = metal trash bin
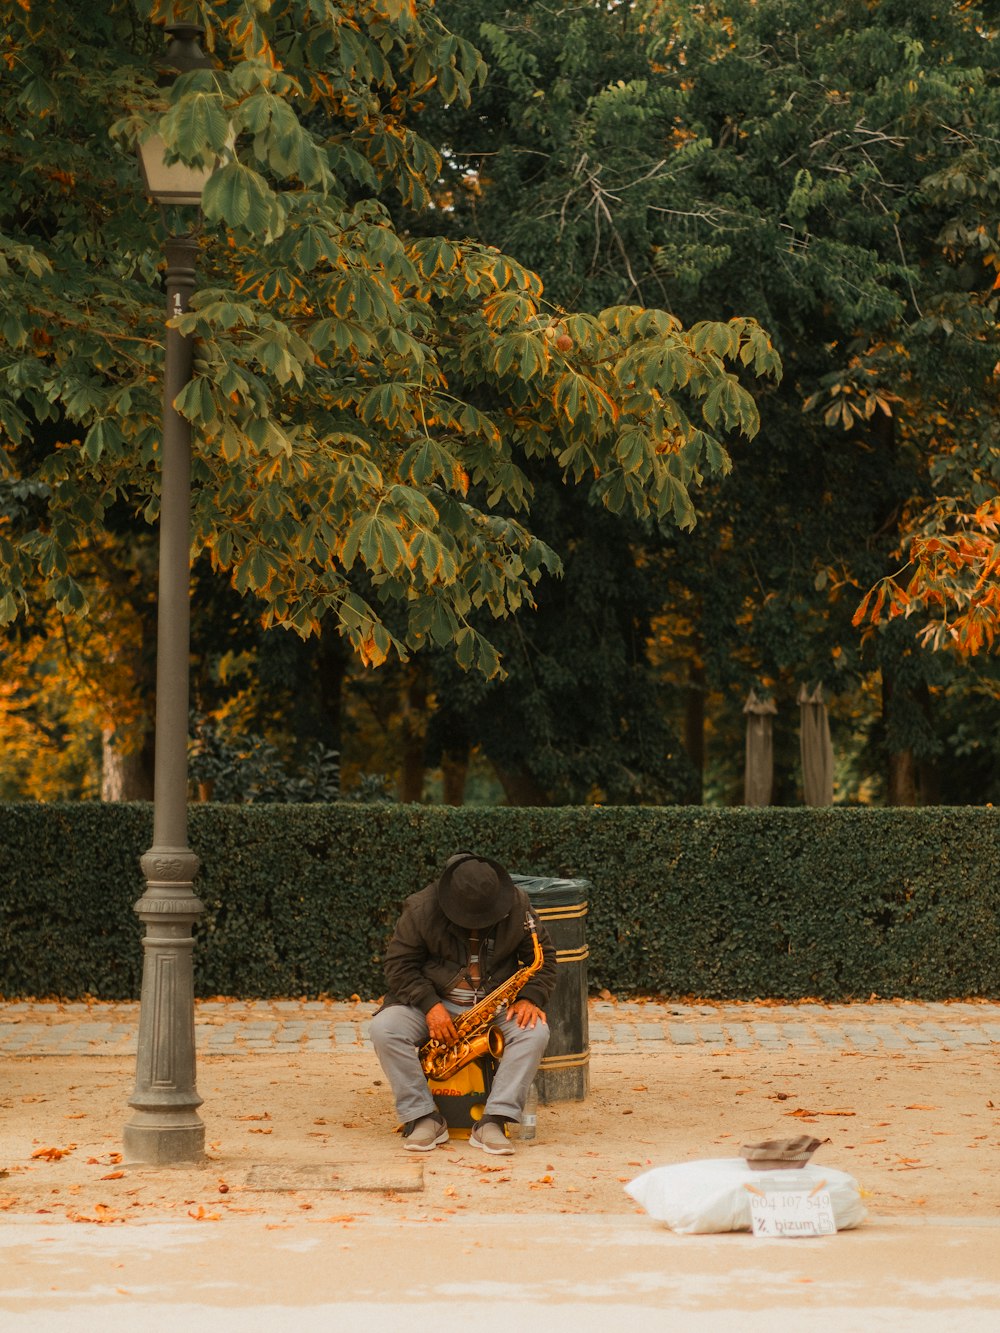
x: 564, y: 1074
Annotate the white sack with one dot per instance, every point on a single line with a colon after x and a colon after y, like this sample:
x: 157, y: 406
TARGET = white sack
x: 699, y: 1197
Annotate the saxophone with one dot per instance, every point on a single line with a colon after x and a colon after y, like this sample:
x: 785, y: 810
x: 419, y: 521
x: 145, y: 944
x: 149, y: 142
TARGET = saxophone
x: 477, y: 1034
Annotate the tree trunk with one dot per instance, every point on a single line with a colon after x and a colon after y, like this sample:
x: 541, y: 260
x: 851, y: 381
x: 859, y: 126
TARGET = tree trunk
x: 520, y: 788
x: 454, y: 771
x: 332, y: 663
x: 909, y: 780
x: 901, y: 774
x: 413, y: 732
x: 694, y: 727
x: 901, y: 785
x: 125, y: 776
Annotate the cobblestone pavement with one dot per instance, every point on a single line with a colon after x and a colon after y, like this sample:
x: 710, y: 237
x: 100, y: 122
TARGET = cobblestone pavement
x: 239, y: 1027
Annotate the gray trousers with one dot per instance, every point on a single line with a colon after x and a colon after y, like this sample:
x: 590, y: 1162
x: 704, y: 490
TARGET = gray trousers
x: 398, y: 1033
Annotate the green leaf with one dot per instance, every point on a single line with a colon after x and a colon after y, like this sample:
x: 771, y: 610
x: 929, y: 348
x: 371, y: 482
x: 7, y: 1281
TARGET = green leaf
x: 196, y: 127
x: 239, y: 196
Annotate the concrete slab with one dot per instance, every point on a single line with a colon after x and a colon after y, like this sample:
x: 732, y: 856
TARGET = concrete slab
x: 405, y: 1177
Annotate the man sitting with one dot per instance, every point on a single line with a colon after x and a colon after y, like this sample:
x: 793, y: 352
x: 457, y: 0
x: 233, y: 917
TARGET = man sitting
x: 456, y: 942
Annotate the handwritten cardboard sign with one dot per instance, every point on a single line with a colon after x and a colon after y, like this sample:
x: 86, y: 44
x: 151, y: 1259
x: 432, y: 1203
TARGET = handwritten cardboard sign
x: 790, y: 1212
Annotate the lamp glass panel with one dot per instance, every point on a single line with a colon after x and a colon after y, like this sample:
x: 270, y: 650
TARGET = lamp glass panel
x: 173, y: 184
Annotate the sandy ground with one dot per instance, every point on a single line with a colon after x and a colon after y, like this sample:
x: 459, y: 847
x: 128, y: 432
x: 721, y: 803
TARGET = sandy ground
x: 920, y: 1133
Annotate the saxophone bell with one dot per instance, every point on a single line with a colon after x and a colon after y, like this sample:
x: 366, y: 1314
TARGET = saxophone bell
x: 494, y: 1042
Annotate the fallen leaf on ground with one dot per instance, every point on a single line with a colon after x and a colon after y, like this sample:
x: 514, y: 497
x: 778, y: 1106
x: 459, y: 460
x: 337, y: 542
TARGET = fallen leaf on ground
x: 114, y: 1175
x: 103, y: 1215
x: 917, y: 1106
x: 200, y: 1215
x: 52, y: 1154
x: 802, y: 1113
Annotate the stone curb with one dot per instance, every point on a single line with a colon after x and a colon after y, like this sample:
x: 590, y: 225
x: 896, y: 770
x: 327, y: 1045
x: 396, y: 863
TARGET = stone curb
x: 248, y: 1027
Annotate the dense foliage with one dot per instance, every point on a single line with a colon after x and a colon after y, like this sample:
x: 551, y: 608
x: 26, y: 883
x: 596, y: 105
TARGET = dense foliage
x: 363, y: 402
x: 715, y: 903
x: 831, y: 169
x: 828, y: 168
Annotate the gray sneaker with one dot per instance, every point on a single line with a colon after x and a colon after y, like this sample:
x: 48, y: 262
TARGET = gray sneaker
x: 489, y: 1136
x: 425, y: 1134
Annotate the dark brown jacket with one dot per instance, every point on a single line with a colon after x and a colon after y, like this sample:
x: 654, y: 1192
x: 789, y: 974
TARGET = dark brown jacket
x: 428, y: 954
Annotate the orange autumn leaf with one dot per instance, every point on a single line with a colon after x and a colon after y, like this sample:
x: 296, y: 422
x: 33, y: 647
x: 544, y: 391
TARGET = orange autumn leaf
x: 102, y: 1215
x: 113, y: 1175
x: 200, y: 1215
x: 52, y: 1154
x: 918, y: 1106
x: 802, y: 1113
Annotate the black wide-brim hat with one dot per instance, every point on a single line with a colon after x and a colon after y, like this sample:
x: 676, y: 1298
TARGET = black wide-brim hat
x: 475, y: 892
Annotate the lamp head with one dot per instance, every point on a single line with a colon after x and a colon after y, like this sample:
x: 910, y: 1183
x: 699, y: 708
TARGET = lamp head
x: 183, y: 54
x: 175, y: 183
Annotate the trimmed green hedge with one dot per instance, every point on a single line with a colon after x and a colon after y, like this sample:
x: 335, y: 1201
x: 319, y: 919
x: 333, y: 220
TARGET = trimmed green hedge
x: 724, y: 904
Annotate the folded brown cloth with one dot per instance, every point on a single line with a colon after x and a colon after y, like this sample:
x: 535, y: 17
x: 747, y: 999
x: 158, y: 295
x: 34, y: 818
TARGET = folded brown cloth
x: 780, y: 1154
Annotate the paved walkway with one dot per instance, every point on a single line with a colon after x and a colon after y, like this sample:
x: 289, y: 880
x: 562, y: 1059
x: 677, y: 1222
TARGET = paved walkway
x: 239, y: 1027
x: 566, y: 1274
x: 428, y: 1262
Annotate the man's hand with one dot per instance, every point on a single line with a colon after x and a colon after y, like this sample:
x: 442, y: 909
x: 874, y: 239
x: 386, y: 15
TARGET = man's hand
x: 440, y: 1026
x: 525, y: 1014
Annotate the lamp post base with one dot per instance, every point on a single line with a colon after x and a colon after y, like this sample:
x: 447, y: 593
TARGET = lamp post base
x: 165, y: 1125
x: 159, y: 1140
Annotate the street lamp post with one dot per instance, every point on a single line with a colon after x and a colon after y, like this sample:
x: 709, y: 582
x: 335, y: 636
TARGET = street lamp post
x: 166, y: 1126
